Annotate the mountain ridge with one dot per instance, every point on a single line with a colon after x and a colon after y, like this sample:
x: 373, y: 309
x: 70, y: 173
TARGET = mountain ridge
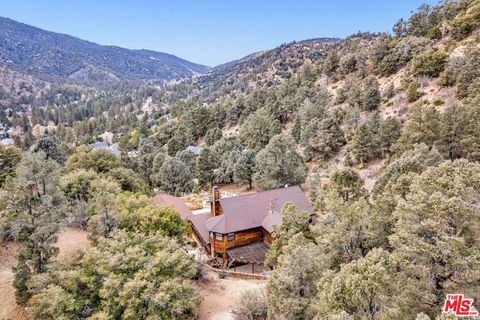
x: 46, y: 53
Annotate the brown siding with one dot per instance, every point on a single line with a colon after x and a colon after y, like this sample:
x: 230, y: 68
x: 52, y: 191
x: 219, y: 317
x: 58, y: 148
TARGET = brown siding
x: 246, y: 237
x: 241, y: 238
x: 267, y: 236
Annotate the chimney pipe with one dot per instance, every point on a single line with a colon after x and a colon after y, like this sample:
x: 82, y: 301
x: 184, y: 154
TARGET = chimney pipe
x: 215, y: 197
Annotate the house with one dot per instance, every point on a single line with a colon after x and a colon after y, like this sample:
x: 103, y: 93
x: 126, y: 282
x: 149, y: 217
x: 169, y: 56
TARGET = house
x: 196, y: 150
x: 99, y: 145
x: 7, y: 142
x: 166, y: 200
x: 115, y: 150
x: 104, y: 145
x: 239, y: 229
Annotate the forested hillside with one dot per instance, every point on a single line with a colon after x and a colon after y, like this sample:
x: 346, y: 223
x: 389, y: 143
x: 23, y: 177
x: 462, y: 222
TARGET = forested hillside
x: 382, y: 130
x: 45, y: 53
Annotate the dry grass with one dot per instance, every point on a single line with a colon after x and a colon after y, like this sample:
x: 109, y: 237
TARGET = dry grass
x: 236, y: 188
x: 69, y: 241
x: 193, y: 201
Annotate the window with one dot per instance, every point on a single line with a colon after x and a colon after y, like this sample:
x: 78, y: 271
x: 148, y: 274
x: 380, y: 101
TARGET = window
x: 231, y: 236
x: 218, y: 236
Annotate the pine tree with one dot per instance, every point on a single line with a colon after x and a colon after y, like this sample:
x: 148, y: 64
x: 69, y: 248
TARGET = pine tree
x: 435, y: 238
x: 296, y: 129
x: 345, y: 186
x: 362, y: 288
x: 32, y: 202
x: 400, y: 28
x: 292, y: 288
x: 212, y: 136
x: 362, y: 143
x: 331, y: 63
x: 206, y: 164
x: 346, y: 233
x: 258, y: 128
x: 412, y: 91
x: 452, y: 126
x: 245, y: 168
x: 416, y: 160
x: 294, y: 222
x: 174, y: 175
x: 180, y: 140
x: 471, y: 137
x: 9, y: 159
x: 104, y: 219
x: 388, y: 134
x: 188, y: 158
x: 322, y: 138
x: 279, y: 164
x: 423, y: 126
x: 371, y: 97
x: 22, y: 277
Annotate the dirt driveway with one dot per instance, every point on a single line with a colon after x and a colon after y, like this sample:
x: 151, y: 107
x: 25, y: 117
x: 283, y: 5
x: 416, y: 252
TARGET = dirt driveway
x: 221, y: 295
x: 69, y: 241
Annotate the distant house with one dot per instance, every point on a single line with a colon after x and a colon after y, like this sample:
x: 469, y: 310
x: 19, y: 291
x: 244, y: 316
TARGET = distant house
x: 99, y: 145
x: 239, y: 229
x: 114, y: 149
x: 7, y: 142
x: 196, y: 150
x: 104, y: 145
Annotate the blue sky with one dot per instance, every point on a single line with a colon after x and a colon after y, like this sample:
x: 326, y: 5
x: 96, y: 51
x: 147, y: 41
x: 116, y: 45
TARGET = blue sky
x: 208, y: 32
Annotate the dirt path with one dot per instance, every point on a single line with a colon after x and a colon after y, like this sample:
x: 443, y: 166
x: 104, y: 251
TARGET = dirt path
x: 69, y: 241
x: 221, y: 295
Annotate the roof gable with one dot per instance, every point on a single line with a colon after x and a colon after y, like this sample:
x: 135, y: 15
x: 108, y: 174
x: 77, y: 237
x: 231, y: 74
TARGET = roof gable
x: 256, y: 210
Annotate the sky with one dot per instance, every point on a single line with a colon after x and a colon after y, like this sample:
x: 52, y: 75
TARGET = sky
x: 208, y: 32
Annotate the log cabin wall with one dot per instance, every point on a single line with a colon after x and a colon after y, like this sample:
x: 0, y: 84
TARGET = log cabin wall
x: 267, y: 237
x: 245, y: 237
x: 239, y: 239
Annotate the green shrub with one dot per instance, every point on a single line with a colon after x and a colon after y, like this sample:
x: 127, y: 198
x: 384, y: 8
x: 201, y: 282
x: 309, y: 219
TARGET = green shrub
x: 465, y: 24
x: 434, y: 33
x: 430, y: 63
x: 412, y: 92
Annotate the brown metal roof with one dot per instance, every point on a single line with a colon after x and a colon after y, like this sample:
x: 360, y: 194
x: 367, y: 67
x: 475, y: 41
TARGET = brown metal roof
x: 257, y: 209
x: 252, y: 253
x: 271, y: 219
x: 198, y: 221
x: 176, y: 203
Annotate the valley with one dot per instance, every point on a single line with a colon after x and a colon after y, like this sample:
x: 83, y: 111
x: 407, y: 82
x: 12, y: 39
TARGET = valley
x: 329, y: 178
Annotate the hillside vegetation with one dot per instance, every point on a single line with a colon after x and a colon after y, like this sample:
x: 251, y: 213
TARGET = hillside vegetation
x: 383, y: 130
x: 45, y: 53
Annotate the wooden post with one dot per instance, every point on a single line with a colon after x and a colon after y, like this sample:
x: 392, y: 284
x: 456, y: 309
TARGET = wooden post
x: 212, y: 244
x: 224, y: 257
x: 253, y: 268
x: 224, y: 253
